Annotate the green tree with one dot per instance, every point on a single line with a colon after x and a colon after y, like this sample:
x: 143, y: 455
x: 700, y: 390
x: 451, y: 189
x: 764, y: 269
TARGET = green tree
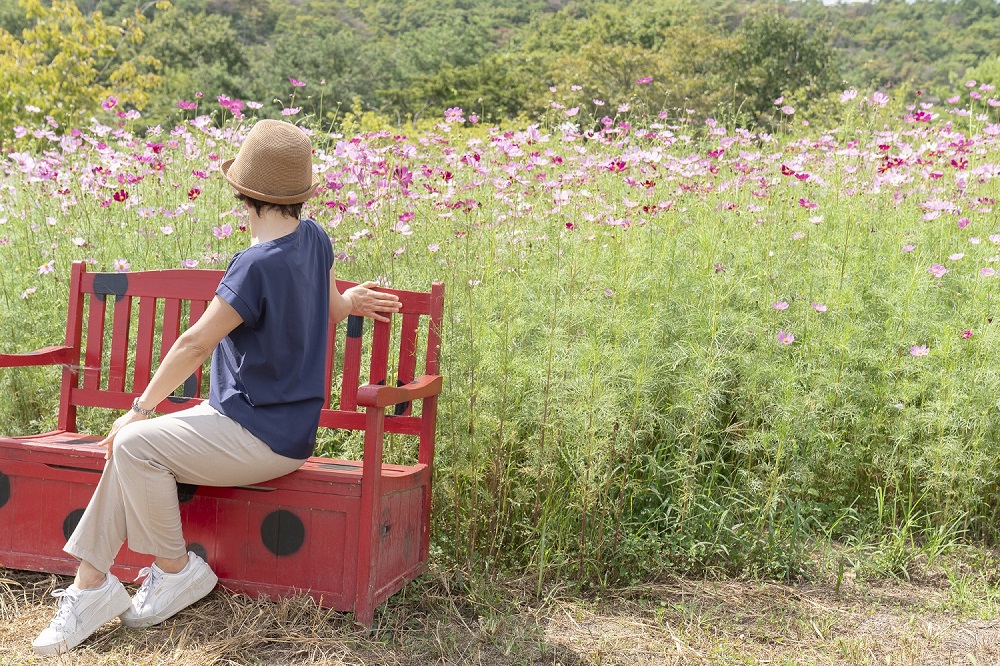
x: 65, y: 64
x: 775, y: 56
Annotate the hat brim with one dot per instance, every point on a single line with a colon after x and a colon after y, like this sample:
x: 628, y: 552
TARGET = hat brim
x: 301, y: 197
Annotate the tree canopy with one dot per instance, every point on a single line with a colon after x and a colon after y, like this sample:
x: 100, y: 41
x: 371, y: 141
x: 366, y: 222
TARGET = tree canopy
x: 413, y: 59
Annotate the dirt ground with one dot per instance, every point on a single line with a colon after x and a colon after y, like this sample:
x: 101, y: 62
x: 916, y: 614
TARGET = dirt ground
x: 684, y: 622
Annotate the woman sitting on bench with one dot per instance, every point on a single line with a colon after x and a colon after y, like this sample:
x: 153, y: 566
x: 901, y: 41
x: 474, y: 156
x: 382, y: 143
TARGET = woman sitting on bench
x: 265, y: 330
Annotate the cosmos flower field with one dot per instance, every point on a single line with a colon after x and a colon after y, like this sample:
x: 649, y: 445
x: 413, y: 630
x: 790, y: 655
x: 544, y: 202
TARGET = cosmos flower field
x: 669, y: 345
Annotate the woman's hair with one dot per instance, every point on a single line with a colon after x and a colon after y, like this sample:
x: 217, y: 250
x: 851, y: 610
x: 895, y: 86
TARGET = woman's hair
x: 293, y: 211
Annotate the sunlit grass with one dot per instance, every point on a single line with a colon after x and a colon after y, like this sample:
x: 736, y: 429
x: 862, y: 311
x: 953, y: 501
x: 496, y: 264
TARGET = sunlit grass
x: 668, y: 346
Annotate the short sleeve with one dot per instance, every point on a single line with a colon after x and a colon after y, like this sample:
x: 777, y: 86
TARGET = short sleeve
x: 326, y: 245
x: 241, y: 288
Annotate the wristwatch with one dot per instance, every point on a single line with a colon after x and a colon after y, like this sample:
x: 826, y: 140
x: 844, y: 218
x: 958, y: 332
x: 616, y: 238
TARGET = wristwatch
x: 139, y: 410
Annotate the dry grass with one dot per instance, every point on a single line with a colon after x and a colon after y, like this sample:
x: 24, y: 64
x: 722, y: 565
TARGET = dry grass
x: 686, y: 622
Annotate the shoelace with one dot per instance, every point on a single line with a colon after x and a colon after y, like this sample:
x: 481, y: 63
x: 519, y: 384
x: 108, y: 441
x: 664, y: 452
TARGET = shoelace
x: 152, y: 577
x: 67, y: 607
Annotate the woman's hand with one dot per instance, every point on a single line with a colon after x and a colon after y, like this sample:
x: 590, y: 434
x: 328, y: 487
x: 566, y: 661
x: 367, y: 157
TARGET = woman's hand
x: 367, y: 303
x: 128, y: 417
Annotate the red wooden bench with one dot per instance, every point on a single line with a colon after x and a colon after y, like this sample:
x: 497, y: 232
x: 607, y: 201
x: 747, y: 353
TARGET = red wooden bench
x: 348, y: 533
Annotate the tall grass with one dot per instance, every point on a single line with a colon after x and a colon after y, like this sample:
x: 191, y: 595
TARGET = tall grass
x: 618, y: 403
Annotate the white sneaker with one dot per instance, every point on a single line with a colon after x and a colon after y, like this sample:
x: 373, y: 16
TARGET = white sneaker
x: 162, y: 595
x: 80, y: 614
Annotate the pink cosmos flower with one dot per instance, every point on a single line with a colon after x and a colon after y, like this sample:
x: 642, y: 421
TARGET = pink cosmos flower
x: 609, y: 293
x: 406, y: 217
x: 572, y: 112
x: 79, y: 241
x: 254, y: 105
x: 908, y: 248
x: 963, y: 222
x: 644, y: 80
x: 954, y: 100
x: 780, y: 305
x: 806, y: 203
x: 189, y: 263
x: 816, y: 219
x: 971, y: 83
x: 778, y: 101
x: 110, y: 103
x: 956, y: 256
x: 291, y: 110
x: 433, y: 247
x: 798, y: 235
x: 47, y: 268
x: 624, y: 108
x: 787, y: 110
x: 454, y: 115
x: 785, y: 338
x: 987, y: 272
x: 848, y: 95
x: 296, y: 83
x: 937, y: 270
x: 28, y: 292
x: 919, y: 350
x: 819, y: 307
x: 225, y: 231
x: 967, y: 333
x: 121, y: 266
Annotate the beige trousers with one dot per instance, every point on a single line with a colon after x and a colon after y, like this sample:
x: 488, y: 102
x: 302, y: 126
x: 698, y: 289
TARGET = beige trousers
x: 136, y: 498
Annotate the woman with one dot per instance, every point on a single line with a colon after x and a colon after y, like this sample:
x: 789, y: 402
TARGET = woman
x: 264, y: 329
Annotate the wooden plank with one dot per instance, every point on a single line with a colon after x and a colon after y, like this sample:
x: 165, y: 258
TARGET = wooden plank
x: 119, y: 344
x: 95, y: 343
x: 179, y: 284
x: 171, y: 325
x: 144, y: 344
x: 352, y: 364
x: 380, y: 353
x: 331, y: 349
x: 74, y: 333
x: 197, y: 310
x: 407, y: 348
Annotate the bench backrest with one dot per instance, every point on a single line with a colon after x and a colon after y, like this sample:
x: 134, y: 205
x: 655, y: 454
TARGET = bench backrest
x: 124, y: 323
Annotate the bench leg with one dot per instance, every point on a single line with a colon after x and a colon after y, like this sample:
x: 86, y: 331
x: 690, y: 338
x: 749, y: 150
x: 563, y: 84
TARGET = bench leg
x: 371, y: 499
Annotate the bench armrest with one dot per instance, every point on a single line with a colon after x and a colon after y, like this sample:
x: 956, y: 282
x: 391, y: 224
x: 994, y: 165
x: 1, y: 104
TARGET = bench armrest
x: 374, y: 395
x: 58, y: 355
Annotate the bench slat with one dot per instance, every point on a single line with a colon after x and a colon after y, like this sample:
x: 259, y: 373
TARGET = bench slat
x: 144, y: 344
x: 95, y: 343
x: 119, y: 344
x: 171, y: 325
x: 380, y: 353
x: 178, y: 284
x: 197, y: 310
x: 352, y: 363
x: 331, y: 345
x: 407, y: 352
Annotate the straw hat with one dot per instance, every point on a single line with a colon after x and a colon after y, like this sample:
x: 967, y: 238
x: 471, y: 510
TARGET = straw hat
x: 274, y: 164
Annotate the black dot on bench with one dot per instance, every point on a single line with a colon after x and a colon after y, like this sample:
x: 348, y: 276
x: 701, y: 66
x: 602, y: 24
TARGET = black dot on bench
x: 4, y: 489
x: 198, y: 550
x: 185, y: 492
x: 72, y: 520
x: 282, y: 532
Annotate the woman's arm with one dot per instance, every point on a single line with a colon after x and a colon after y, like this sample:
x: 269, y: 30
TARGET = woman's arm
x: 361, y: 301
x: 185, y: 356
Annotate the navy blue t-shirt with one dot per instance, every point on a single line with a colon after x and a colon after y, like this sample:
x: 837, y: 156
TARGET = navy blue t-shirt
x: 268, y: 373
